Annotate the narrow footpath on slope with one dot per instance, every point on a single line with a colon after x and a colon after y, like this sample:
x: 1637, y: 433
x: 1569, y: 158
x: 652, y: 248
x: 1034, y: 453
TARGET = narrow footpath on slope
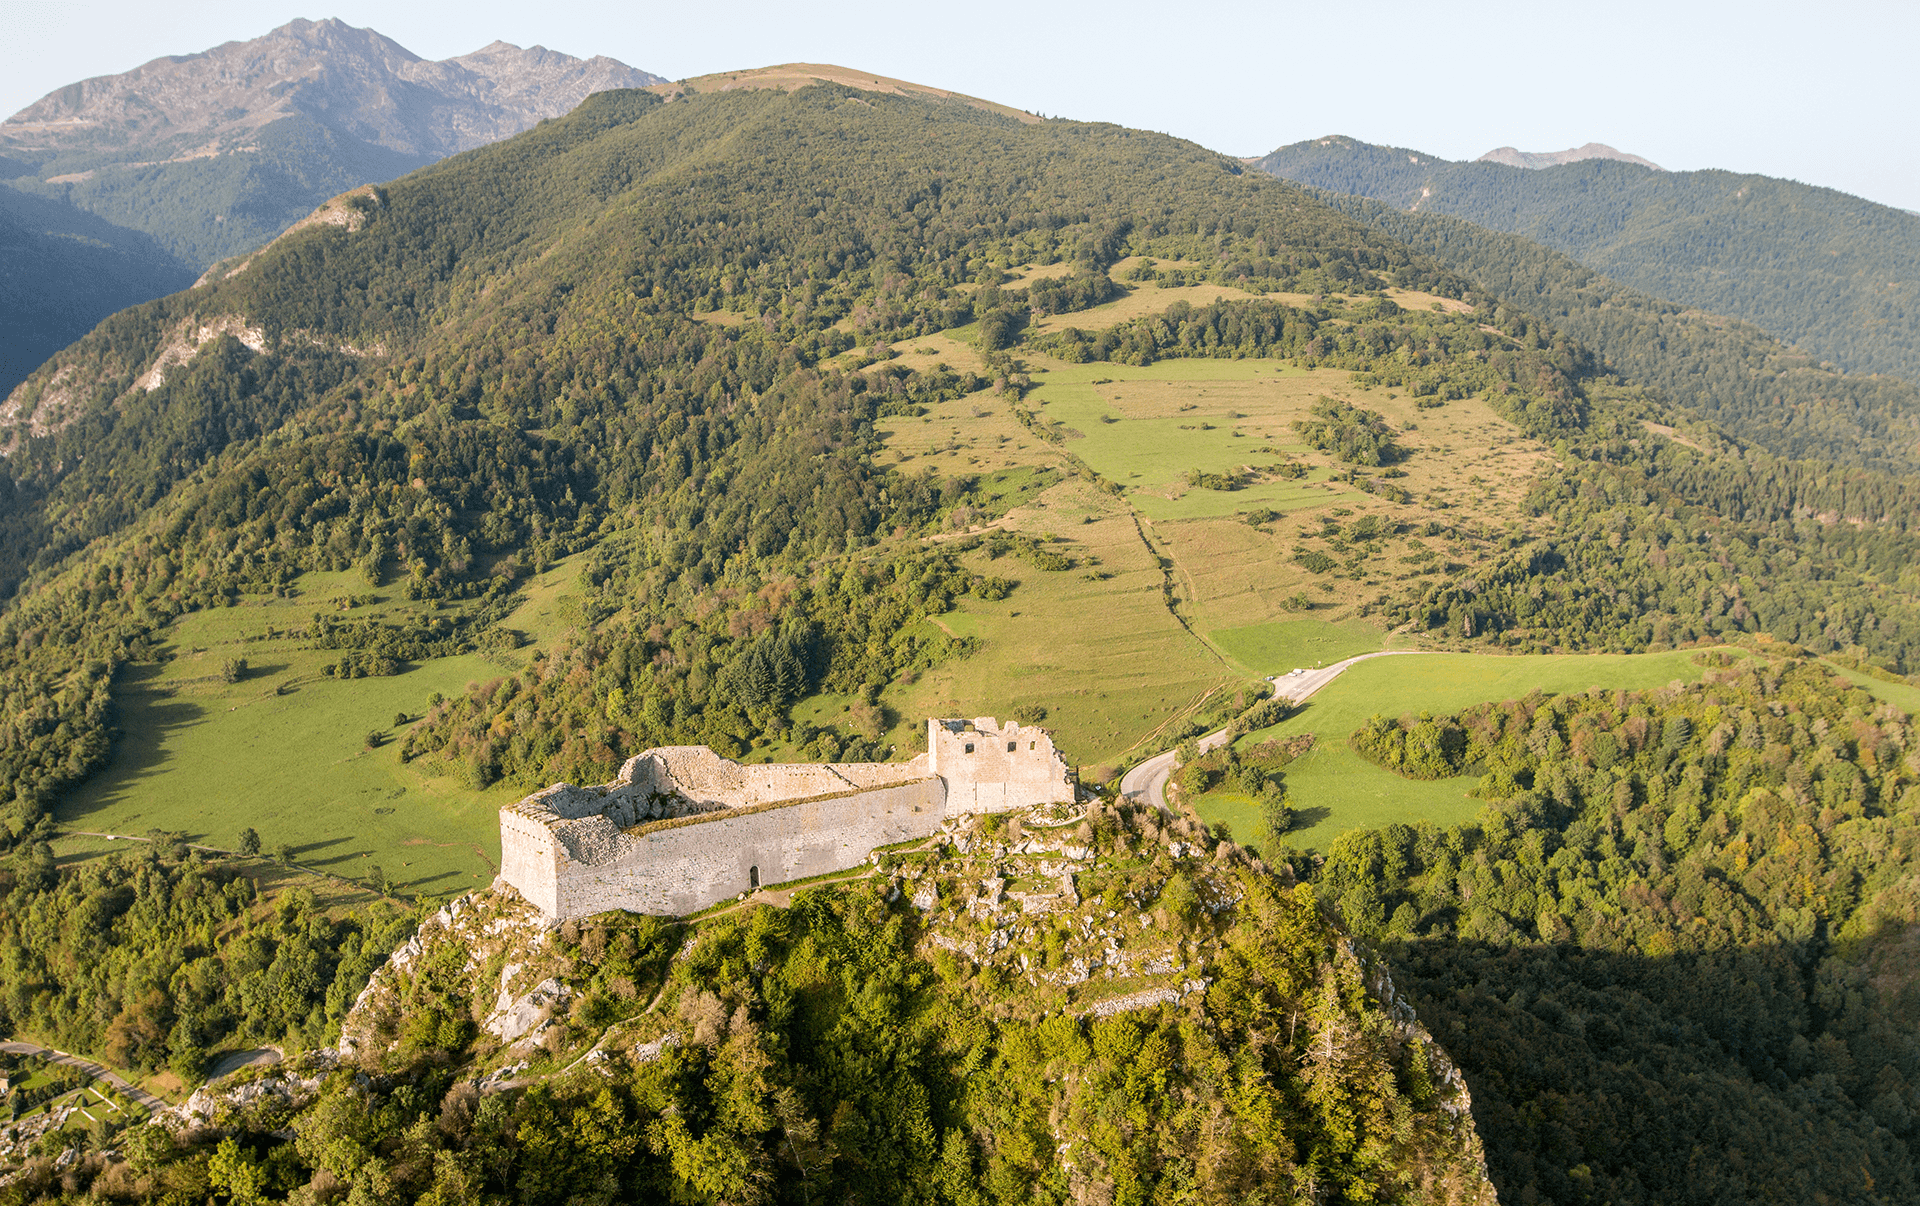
x: 1147, y: 782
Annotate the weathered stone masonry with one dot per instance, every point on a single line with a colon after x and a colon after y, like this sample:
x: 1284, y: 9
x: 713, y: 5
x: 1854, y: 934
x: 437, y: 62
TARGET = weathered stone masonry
x: 683, y: 828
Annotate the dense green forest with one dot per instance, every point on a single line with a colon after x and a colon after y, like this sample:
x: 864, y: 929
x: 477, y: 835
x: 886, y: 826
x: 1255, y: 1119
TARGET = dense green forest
x: 1683, y: 913
x: 1831, y: 273
x: 155, y: 960
x: 841, y: 1050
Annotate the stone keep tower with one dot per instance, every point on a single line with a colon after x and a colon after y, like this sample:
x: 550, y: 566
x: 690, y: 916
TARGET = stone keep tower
x: 988, y: 768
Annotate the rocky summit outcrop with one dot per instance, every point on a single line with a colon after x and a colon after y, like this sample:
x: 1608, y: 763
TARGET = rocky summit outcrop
x: 1136, y: 1000
x: 355, y: 80
x: 1514, y: 157
x: 123, y: 188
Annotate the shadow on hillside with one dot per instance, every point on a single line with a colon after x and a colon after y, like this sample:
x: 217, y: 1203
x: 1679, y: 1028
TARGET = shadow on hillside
x: 1307, y: 818
x: 304, y: 853
x: 1603, y: 1076
x: 144, y: 721
x: 423, y: 883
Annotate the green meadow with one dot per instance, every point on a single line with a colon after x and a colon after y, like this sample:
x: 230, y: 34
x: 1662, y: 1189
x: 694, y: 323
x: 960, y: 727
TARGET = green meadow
x: 1146, y: 427
x: 1282, y: 645
x: 284, y: 750
x: 1332, y: 789
x: 1095, y: 646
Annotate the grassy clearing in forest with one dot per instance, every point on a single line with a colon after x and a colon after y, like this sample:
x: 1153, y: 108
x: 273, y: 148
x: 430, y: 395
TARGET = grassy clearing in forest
x: 1282, y: 645
x: 1094, y: 645
x: 1904, y: 696
x: 976, y: 434
x: 1465, y: 471
x: 1332, y: 789
x: 283, y: 751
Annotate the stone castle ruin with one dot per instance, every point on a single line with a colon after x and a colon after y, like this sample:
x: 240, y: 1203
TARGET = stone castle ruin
x: 682, y: 828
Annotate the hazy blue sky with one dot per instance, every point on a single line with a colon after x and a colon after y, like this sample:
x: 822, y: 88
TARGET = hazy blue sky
x: 1818, y: 92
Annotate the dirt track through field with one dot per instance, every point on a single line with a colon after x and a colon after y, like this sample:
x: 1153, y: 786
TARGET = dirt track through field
x: 1148, y: 781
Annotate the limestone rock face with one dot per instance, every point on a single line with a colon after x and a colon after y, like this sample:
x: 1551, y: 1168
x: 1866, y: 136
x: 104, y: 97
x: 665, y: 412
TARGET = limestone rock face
x: 514, y: 1016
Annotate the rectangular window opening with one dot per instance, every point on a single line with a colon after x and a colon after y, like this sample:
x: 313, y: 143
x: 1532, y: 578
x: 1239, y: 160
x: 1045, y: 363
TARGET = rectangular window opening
x: 969, y: 747
x: 753, y: 877
x: 1012, y: 746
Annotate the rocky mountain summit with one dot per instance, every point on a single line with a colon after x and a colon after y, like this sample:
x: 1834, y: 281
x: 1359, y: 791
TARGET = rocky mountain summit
x: 122, y: 188
x: 356, y: 81
x: 1514, y: 157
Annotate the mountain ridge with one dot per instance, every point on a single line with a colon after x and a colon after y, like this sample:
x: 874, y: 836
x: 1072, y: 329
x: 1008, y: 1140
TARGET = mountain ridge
x: 356, y: 79
x: 201, y: 157
x: 1835, y: 274
x: 787, y: 77
x: 1515, y: 157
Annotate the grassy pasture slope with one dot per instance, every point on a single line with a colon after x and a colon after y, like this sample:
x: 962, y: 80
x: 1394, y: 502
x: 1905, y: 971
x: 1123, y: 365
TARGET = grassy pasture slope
x: 1334, y: 790
x: 1277, y: 647
x: 283, y: 750
x: 1095, y: 645
x: 1145, y: 428
x: 1079, y: 646
x: 1102, y: 654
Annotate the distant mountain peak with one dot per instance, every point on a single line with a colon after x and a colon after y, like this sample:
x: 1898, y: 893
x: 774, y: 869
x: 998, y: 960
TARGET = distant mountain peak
x: 356, y: 79
x: 1514, y: 157
x: 196, y: 158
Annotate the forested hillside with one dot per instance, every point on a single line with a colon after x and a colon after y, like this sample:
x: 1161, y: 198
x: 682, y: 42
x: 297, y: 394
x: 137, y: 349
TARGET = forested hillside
x: 1683, y: 913
x: 516, y: 353
x: 1833, y: 274
x: 1724, y: 370
x: 913, y: 1037
x: 658, y: 338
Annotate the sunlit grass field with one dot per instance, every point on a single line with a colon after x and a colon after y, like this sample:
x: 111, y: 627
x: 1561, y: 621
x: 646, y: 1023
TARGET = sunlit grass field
x: 284, y: 751
x: 1332, y: 789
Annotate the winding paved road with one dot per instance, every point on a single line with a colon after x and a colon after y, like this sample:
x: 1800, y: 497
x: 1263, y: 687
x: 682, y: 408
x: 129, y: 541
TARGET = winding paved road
x: 1148, y: 781
x: 90, y: 1068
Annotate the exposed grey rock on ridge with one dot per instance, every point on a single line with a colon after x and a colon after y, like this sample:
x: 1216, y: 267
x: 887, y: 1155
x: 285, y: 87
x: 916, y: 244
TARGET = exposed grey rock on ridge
x: 193, y: 159
x: 1514, y: 157
x: 355, y: 80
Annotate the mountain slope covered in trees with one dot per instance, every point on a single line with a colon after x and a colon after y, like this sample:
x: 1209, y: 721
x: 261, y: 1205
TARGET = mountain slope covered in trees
x: 1179, y: 1024
x: 1722, y: 369
x: 660, y: 334
x: 1682, y: 913
x: 1834, y: 274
